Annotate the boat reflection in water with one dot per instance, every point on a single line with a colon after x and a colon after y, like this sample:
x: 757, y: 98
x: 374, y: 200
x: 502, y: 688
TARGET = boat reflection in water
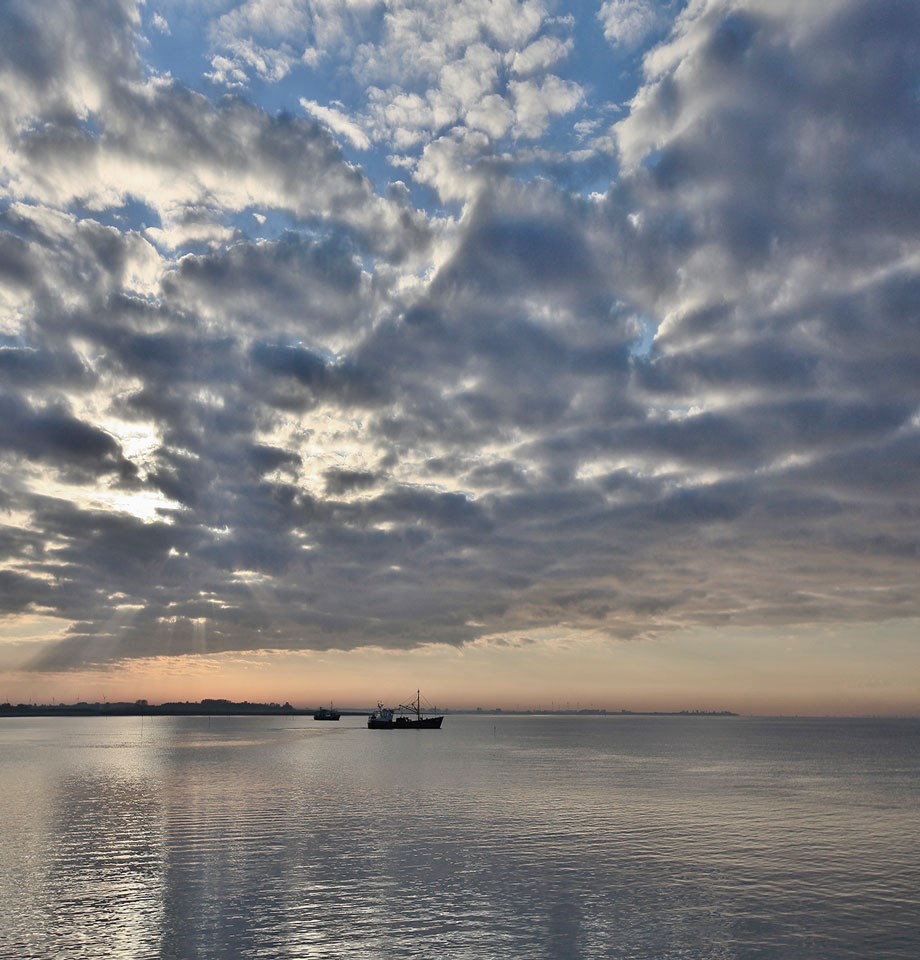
x: 404, y: 717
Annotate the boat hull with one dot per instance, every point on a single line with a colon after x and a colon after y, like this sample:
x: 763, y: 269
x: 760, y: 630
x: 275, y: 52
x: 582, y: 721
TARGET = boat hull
x: 404, y: 723
x: 425, y: 723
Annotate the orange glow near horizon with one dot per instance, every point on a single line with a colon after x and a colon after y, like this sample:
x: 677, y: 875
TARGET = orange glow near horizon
x: 747, y: 672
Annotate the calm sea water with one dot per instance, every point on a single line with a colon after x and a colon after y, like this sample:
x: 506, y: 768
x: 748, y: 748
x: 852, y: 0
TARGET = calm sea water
x: 514, y: 837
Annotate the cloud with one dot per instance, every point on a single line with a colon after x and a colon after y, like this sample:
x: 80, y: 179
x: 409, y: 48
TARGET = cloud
x: 535, y: 104
x: 686, y: 397
x: 43, y: 76
x: 104, y: 138
x: 627, y: 23
x: 248, y: 35
x: 54, y: 435
x: 338, y: 122
x: 161, y: 24
x: 540, y: 55
x: 412, y: 73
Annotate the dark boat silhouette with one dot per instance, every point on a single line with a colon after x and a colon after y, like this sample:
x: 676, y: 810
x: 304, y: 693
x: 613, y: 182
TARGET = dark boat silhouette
x: 407, y: 716
x: 329, y: 713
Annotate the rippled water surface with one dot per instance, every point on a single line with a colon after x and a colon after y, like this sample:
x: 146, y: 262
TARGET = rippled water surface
x: 517, y: 837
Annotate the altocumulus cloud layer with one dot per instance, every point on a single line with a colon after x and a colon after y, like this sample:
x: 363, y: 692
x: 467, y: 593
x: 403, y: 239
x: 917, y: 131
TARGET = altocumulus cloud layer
x: 512, y: 318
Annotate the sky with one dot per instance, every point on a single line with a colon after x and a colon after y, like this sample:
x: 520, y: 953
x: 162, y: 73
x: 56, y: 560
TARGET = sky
x: 534, y: 353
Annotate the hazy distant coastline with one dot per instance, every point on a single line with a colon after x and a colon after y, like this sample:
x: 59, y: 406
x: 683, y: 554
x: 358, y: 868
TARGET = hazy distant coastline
x: 139, y: 708
x: 211, y: 707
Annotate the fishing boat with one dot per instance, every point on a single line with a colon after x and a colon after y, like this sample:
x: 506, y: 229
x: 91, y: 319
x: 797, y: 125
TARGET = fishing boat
x: 407, y: 716
x: 329, y: 713
x: 381, y: 718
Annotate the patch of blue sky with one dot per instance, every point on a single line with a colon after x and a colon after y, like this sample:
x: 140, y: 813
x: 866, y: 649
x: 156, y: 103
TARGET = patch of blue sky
x: 178, y: 46
x: 266, y: 223
x: 609, y: 74
x: 186, y: 52
x: 641, y: 348
x: 133, y: 214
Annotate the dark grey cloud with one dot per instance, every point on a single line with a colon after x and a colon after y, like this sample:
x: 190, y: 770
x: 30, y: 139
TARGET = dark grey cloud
x: 317, y: 287
x: 23, y: 365
x: 294, y: 377
x: 802, y: 149
x: 55, y: 436
x: 343, y: 481
x: 41, y: 72
x: 266, y: 459
x: 19, y: 592
x: 518, y: 241
x: 15, y: 266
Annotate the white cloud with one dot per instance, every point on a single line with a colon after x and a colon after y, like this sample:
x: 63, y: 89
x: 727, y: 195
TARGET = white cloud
x: 161, y: 24
x: 406, y: 118
x: 540, y: 55
x: 448, y: 165
x: 426, y: 67
x: 338, y: 122
x: 244, y: 57
x: 467, y: 80
x: 247, y: 36
x: 462, y: 96
x: 535, y: 104
x: 627, y: 23
x: 491, y: 114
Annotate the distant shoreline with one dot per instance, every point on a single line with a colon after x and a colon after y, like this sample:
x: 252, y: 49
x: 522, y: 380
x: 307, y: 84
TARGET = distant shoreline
x: 228, y: 708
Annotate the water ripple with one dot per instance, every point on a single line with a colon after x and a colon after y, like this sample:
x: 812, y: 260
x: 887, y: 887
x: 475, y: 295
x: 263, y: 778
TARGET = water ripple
x: 639, y: 838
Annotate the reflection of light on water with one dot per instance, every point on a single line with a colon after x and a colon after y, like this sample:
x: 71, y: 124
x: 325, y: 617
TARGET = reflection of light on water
x: 521, y: 837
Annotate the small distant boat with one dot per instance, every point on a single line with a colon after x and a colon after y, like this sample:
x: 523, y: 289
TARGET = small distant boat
x: 327, y: 714
x: 406, y: 716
